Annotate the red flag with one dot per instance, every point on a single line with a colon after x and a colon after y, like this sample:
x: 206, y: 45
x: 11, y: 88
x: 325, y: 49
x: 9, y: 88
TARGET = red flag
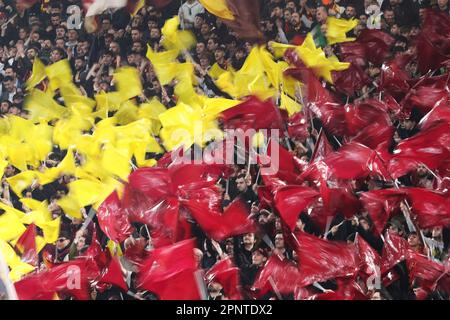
x: 27, y: 245
x: 370, y: 260
x: 279, y: 275
x: 234, y: 221
x: 431, y: 207
x: 169, y: 272
x: 96, y: 254
x: 348, y: 289
x: 226, y: 274
x: 298, y: 126
x: 440, y: 112
x: 355, y: 160
x: 286, y: 165
x: 432, y: 43
x: 321, y: 260
x: 71, y: 278
x: 395, y: 250
x: 430, y: 147
x: 394, y: 80
x: 315, y: 91
x: 113, y: 275
x: 377, y: 45
x: 353, y: 52
x: 322, y: 148
x: 375, y: 135
x: 252, y: 114
x: 423, y: 98
x: 339, y: 199
x: 111, y: 219
x: 246, y: 23
x: 155, y: 183
x: 381, y: 205
x: 290, y: 201
x: 424, y: 271
x: 351, y: 80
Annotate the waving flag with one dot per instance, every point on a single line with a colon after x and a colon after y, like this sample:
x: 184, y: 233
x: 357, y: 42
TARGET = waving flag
x: 278, y: 274
x: 169, y: 272
x: 320, y: 260
x: 381, y: 205
x: 226, y: 274
x: 432, y: 208
x: 337, y: 29
x: 290, y: 201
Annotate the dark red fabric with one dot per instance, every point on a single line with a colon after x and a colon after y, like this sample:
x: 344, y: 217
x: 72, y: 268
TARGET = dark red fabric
x: 430, y: 147
x: 320, y: 260
x: 381, y: 205
x: 27, y: 245
x: 290, y: 201
x: 227, y: 274
x: 111, y: 219
x: 169, y: 272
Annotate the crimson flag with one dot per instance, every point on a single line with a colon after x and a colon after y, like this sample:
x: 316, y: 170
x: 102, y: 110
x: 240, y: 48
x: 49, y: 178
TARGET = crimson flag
x: 423, y: 98
x: 339, y: 199
x: 290, y: 201
x: 430, y: 147
x: 321, y: 260
x: 353, y: 52
x: 440, y: 112
x: 351, y: 80
x: 298, y: 126
x: 278, y: 274
x: 169, y: 272
x: 234, y: 221
x: 246, y: 23
x: 395, y: 250
x: 113, y: 275
x: 432, y: 43
x: 71, y: 278
x: 27, y: 245
x: 111, y: 219
x: 394, y: 80
x: 355, y: 160
x: 253, y: 114
x: 377, y: 45
x: 381, y: 205
x: 322, y: 148
x: 226, y: 274
x: 424, y: 271
x: 370, y: 260
x: 431, y: 207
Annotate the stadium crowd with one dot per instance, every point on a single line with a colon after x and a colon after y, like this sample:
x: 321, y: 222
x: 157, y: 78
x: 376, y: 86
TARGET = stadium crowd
x: 46, y: 31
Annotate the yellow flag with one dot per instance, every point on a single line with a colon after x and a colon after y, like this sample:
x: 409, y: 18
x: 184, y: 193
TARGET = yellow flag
x: 128, y: 83
x: 218, y: 8
x: 316, y: 59
x: 115, y: 162
x: 10, y: 226
x: 21, y: 181
x: 42, y: 107
x: 174, y: 38
x: 50, y: 229
x: 37, y: 75
x: 18, y: 267
x: 337, y: 29
x: 59, y: 74
x: 164, y: 64
x: 287, y: 103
